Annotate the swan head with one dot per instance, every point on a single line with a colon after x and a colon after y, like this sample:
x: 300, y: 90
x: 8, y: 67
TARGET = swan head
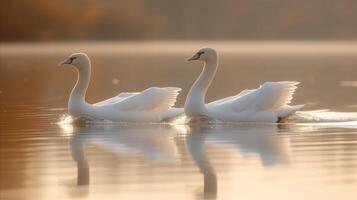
x: 78, y: 60
x: 204, y: 55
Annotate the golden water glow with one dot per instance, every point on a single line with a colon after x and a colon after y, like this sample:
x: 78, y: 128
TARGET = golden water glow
x: 65, y: 123
x: 43, y: 159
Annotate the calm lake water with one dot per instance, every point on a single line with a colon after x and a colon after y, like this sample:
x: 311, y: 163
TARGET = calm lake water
x: 312, y: 157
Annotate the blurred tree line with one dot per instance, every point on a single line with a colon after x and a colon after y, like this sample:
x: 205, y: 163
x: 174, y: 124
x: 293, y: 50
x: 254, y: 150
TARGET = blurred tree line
x: 28, y: 20
x: 260, y: 19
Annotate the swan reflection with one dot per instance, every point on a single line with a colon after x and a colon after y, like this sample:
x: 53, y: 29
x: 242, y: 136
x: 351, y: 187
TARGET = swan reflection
x: 261, y: 140
x: 166, y: 143
x: 154, y: 142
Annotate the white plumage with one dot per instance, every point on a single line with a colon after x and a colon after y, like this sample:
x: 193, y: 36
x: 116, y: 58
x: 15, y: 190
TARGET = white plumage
x: 268, y: 103
x: 152, y: 99
x: 151, y: 105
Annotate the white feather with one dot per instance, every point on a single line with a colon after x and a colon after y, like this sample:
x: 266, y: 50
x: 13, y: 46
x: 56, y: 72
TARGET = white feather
x: 268, y: 103
x: 151, y: 105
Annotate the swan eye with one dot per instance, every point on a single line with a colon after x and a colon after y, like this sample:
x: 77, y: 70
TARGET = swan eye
x: 200, y: 53
x: 72, y: 59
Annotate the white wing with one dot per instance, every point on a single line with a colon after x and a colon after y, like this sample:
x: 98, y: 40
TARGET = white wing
x: 151, y: 99
x: 220, y: 101
x: 269, y: 96
x: 116, y: 99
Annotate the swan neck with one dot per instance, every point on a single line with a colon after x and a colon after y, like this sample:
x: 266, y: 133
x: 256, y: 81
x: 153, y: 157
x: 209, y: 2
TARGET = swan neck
x: 195, y: 103
x: 79, y: 91
x: 206, y: 77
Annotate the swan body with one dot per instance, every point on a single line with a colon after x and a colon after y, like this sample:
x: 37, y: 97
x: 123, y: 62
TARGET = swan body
x: 151, y: 105
x: 268, y: 103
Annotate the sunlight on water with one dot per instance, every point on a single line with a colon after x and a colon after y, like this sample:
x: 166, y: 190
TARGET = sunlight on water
x: 65, y: 119
x: 324, y: 116
x: 65, y: 123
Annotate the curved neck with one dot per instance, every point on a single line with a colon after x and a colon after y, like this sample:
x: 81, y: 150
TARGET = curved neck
x: 205, y: 79
x: 79, y: 91
x: 195, y: 102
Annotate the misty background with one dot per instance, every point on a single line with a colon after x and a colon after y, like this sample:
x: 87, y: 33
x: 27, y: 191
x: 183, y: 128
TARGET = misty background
x: 61, y: 20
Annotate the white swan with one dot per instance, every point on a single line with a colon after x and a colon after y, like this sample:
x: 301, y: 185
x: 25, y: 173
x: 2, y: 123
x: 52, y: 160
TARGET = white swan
x: 268, y: 103
x: 151, y: 105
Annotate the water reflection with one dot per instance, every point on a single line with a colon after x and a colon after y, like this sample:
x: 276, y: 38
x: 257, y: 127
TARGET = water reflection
x: 158, y: 143
x: 261, y: 140
x: 162, y: 144
x: 153, y: 142
x: 195, y: 147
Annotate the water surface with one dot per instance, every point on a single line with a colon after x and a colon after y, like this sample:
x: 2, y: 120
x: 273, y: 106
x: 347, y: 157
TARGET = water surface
x: 42, y: 159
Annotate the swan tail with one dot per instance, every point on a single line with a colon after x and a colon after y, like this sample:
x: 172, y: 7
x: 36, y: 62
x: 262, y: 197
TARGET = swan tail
x: 172, y: 113
x: 289, y: 110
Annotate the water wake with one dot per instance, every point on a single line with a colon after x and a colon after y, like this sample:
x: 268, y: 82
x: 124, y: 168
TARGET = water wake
x: 323, y: 116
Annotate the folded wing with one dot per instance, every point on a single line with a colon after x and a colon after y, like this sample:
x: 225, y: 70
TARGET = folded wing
x: 116, y: 99
x: 152, y: 99
x: 270, y: 96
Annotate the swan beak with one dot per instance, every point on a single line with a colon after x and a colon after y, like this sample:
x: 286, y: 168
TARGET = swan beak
x: 65, y: 62
x: 194, y: 57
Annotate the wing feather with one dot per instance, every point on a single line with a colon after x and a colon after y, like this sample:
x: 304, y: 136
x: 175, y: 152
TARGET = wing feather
x: 269, y: 96
x: 231, y: 98
x: 151, y: 99
x: 274, y: 95
x: 116, y: 99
